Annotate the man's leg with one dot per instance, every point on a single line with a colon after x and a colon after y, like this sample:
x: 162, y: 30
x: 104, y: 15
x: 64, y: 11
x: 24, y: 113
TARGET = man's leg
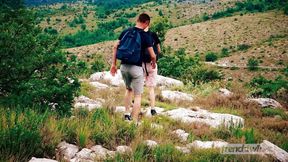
x: 152, y: 97
x: 136, y: 107
x: 127, y: 101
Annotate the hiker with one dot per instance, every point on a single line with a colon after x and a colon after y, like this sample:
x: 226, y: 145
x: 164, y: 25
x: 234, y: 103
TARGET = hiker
x: 150, y: 74
x: 130, y: 49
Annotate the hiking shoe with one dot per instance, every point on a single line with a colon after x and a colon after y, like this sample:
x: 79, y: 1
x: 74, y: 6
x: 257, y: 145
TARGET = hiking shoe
x: 153, y: 112
x: 127, y: 117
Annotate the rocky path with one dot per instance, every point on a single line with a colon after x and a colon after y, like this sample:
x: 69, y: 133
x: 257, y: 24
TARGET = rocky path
x: 103, y: 80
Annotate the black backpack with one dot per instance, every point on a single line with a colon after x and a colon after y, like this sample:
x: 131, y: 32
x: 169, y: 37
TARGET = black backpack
x: 147, y: 57
x: 129, y: 49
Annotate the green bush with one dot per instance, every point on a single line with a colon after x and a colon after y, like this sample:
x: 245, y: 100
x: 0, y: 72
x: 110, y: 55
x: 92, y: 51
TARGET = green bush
x: 199, y: 75
x: 252, y: 64
x: 179, y: 61
x: 20, y: 137
x: 211, y: 57
x: 269, y: 88
x: 273, y: 112
x: 99, y: 64
x: 224, y: 52
x: 243, y: 47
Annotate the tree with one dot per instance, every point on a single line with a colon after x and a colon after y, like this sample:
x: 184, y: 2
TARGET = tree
x: 34, y: 73
x: 160, y: 26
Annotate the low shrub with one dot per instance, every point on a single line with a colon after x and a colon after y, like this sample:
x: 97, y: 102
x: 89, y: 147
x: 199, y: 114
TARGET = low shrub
x: 211, y: 57
x: 199, y: 75
x: 252, y: 64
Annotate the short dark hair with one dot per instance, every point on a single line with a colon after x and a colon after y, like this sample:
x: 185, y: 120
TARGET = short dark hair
x: 143, y: 18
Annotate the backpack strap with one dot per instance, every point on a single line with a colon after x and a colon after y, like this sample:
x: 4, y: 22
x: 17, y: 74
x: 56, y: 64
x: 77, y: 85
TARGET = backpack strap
x: 146, y: 69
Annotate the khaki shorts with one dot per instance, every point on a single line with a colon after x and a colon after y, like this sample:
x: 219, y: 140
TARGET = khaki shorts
x: 150, y: 80
x: 133, y: 78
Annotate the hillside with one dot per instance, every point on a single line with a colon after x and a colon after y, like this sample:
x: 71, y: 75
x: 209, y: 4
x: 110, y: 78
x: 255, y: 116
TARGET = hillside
x: 250, y: 29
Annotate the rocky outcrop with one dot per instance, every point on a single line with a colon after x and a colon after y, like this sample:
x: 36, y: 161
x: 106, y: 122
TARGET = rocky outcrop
x: 41, y: 160
x: 206, y: 144
x: 184, y: 150
x: 107, y: 77
x: 117, y: 80
x: 278, y: 153
x: 66, y: 151
x: 89, y: 104
x: 167, y: 82
x: 266, y: 102
x: 181, y: 134
x: 102, y: 153
x: 123, y: 150
x: 99, y: 85
x: 176, y: 96
x: 203, y: 116
x: 151, y: 144
x: 225, y: 92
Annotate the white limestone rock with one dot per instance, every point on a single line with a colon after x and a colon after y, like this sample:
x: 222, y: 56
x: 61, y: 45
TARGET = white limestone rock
x: 99, y: 85
x: 85, y: 154
x: 266, y: 102
x: 269, y: 148
x: 203, y: 116
x: 176, y: 96
x: 101, y: 152
x: 89, y: 104
x: 206, y: 144
x: 123, y: 150
x: 41, y: 160
x: 167, y: 82
x: 184, y: 150
x: 67, y: 151
x: 120, y: 109
x: 106, y: 76
x: 183, y: 136
x: 151, y: 144
x: 225, y: 92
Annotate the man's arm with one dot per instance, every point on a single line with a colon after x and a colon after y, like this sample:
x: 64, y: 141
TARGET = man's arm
x: 153, y: 57
x: 113, y: 68
x: 158, y: 48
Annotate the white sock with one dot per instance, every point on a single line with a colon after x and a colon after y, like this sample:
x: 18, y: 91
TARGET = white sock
x: 127, y: 113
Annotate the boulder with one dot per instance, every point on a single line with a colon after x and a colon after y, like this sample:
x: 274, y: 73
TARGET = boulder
x: 120, y: 109
x: 89, y: 104
x: 106, y: 76
x: 151, y: 144
x: 167, y: 82
x: 101, y: 152
x: 181, y: 134
x: 225, y: 92
x: 203, y: 116
x: 41, y: 160
x: 99, y: 85
x: 123, y: 150
x: 117, y: 80
x: 207, y: 144
x: 176, y: 96
x: 66, y: 151
x: 266, y: 102
x: 278, y: 153
x: 85, y: 155
x: 184, y: 150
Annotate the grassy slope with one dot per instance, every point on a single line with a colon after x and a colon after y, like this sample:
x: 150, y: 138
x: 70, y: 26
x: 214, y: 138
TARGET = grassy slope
x: 214, y: 35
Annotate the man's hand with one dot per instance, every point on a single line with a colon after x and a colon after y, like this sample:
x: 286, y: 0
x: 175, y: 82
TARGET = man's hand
x: 153, y: 65
x: 113, y: 70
